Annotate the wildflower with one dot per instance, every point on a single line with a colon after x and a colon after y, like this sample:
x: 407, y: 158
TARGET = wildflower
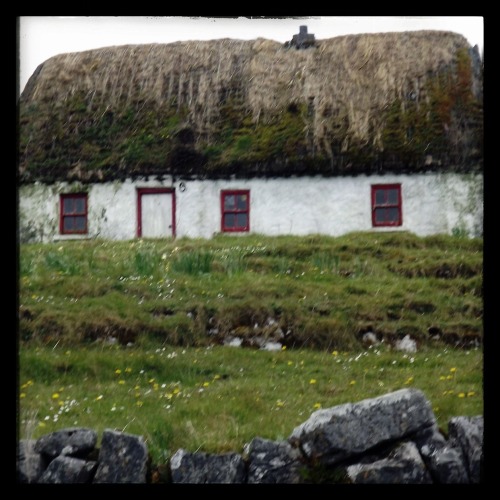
x: 41, y: 424
x: 442, y: 377
x: 98, y: 398
x: 206, y: 384
x: 317, y: 406
x: 118, y: 371
x: 139, y: 403
x: 409, y: 380
x: 335, y: 353
x: 216, y: 377
x: 290, y: 363
x: 435, y: 409
x: 22, y: 395
x: 55, y: 395
x: 453, y: 370
x: 352, y: 382
x: 176, y: 390
x: 461, y: 394
x: 280, y: 403
x: 151, y: 380
x: 121, y: 382
x: 136, y: 388
x: 449, y: 377
x: 128, y: 370
x: 470, y: 394
x: 312, y: 381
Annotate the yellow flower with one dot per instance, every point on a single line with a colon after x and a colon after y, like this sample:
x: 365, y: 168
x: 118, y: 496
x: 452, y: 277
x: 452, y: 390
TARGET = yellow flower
x: 216, y: 377
x: 317, y: 406
x: 280, y: 403
x: 41, y: 424
x: 98, y: 398
x: 128, y: 370
x: 176, y: 390
x: 436, y: 409
x: 155, y: 387
x: 121, y: 382
x: 151, y: 380
x: 470, y: 394
x: 409, y: 380
x: 290, y: 363
x: 118, y: 371
x: 139, y: 403
x: 22, y: 395
x: 206, y: 384
x: 335, y: 353
x: 449, y: 377
x: 453, y: 370
x: 461, y: 394
x: 442, y: 377
x: 352, y: 382
x: 312, y: 381
x: 136, y: 388
x: 55, y: 395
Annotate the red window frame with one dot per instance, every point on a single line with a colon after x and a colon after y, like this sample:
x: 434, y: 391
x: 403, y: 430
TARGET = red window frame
x: 235, y: 210
x: 66, y: 215
x: 386, y: 204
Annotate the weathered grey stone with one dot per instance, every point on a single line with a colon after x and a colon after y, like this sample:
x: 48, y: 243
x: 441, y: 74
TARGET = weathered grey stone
x: 68, y: 470
x: 273, y: 462
x: 444, y: 463
x: 123, y: 458
x: 204, y: 468
x: 429, y: 439
x: 467, y: 434
x: 403, y: 466
x: 447, y: 466
x: 334, y: 434
x: 75, y: 441
x: 30, y: 464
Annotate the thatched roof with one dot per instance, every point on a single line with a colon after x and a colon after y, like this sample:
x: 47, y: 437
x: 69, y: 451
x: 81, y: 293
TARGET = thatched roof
x: 358, y: 103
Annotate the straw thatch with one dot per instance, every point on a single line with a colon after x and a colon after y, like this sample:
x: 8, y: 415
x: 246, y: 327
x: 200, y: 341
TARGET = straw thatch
x: 359, y: 103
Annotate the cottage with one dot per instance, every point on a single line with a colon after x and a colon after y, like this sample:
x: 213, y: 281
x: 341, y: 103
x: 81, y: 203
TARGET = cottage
x: 370, y: 132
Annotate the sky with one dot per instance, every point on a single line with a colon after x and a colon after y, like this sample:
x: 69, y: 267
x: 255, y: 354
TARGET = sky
x: 41, y: 37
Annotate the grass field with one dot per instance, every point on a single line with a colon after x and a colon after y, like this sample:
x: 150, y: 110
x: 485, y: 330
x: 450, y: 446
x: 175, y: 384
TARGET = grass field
x: 216, y: 399
x: 167, y: 306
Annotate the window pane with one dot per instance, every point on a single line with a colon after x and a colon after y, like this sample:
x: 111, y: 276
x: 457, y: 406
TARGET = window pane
x: 242, y: 201
x: 379, y: 197
x: 242, y: 220
x: 229, y: 220
x: 392, y: 215
x: 68, y: 205
x: 379, y: 215
x: 392, y: 196
x: 79, y: 223
x: 79, y: 205
x: 68, y: 224
x: 229, y: 202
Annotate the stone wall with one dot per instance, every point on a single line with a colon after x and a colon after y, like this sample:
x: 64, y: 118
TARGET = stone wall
x: 391, y: 439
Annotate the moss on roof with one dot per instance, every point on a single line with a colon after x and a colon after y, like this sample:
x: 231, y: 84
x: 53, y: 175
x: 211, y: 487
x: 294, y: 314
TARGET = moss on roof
x: 400, y: 102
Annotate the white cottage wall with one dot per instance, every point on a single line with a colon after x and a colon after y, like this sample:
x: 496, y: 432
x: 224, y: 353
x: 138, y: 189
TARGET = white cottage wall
x: 432, y: 203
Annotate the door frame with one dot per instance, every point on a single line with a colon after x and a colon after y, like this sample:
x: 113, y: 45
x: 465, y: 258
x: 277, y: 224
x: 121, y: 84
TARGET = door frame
x: 160, y: 190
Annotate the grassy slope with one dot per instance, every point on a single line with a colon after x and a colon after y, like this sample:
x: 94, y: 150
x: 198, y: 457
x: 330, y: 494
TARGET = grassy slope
x: 158, y: 293
x: 323, y: 291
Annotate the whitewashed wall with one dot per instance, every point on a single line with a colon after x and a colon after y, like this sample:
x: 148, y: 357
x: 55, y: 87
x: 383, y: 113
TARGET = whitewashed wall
x: 431, y: 204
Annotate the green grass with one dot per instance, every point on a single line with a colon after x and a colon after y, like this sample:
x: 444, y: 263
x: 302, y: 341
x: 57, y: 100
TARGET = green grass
x: 324, y: 291
x: 162, y: 301
x: 215, y: 399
